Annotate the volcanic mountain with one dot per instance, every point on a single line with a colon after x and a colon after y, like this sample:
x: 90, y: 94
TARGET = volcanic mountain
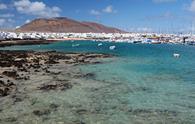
x: 63, y: 24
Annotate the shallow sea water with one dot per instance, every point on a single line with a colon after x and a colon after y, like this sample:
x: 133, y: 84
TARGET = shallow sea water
x: 143, y: 84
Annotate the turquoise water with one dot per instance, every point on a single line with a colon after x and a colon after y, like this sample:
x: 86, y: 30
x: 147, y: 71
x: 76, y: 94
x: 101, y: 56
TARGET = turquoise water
x: 144, y: 83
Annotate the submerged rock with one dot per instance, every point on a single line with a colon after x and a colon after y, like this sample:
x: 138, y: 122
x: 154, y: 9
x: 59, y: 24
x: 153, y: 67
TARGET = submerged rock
x: 82, y: 111
x: 46, y: 111
x: 12, y: 74
x: 41, y: 112
x: 56, y: 86
x: 18, y: 97
x: 155, y: 112
x: 87, y: 76
x: 10, y: 119
x: 53, y: 106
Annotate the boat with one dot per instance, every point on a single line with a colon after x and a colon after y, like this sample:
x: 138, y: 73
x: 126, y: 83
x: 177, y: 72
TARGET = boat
x: 100, y: 44
x: 155, y: 42
x: 176, y: 55
x: 137, y: 41
x: 191, y: 43
x: 75, y: 45
x: 112, y: 47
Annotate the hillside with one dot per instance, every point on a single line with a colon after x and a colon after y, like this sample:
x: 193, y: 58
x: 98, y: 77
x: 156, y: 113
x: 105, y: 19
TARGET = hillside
x: 63, y: 24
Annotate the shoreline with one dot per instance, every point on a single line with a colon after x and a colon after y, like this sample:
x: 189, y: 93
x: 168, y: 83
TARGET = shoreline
x: 24, y: 42
x: 5, y: 43
x: 18, y: 65
x: 28, y: 78
x: 40, y: 85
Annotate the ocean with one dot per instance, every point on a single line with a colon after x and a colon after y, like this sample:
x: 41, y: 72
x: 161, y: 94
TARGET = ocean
x: 143, y: 83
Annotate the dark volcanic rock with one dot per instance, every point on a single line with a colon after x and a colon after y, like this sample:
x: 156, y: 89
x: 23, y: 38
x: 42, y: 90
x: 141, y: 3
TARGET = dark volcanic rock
x: 5, y: 64
x: 51, y: 61
x: 87, y: 76
x: 35, y: 66
x: 13, y: 74
x: 12, y: 58
x: 19, y: 65
x: 6, y: 88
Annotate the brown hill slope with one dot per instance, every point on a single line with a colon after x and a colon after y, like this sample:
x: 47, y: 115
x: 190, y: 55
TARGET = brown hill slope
x: 62, y: 24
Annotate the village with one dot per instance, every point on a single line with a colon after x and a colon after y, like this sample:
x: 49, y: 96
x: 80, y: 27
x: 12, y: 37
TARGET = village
x: 151, y: 38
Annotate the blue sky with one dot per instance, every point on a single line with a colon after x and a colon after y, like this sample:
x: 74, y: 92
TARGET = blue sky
x: 130, y: 15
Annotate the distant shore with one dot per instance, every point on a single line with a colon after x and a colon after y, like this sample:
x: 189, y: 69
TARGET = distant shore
x: 5, y: 43
x: 66, y: 39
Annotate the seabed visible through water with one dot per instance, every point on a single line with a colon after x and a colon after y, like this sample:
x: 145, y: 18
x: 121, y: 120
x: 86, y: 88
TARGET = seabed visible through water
x: 142, y: 84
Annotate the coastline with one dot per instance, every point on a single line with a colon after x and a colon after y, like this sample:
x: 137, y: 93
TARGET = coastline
x: 5, y: 43
x: 28, y: 78
x: 19, y: 65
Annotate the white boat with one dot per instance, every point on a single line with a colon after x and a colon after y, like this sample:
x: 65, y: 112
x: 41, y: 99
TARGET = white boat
x: 75, y: 45
x: 112, y: 47
x: 155, y: 42
x: 176, y: 55
x: 100, y: 44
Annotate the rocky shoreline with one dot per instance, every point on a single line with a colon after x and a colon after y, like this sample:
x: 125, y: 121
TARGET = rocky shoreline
x: 26, y: 73
x: 50, y: 88
x: 18, y: 66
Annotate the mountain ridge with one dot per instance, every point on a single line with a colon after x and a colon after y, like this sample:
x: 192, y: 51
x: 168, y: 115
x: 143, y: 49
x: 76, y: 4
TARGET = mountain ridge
x: 66, y: 25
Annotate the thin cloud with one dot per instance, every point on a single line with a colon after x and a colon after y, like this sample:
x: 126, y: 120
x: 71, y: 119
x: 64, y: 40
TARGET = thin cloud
x: 6, y: 23
x: 164, y: 16
x: 3, y: 6
x: 2, y: 21
x: 108, y: 10
x: 191, y: 7
x: 27, y: 21
x: 163, y: 1
x: 8, y: 15
x: 94, y: 12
